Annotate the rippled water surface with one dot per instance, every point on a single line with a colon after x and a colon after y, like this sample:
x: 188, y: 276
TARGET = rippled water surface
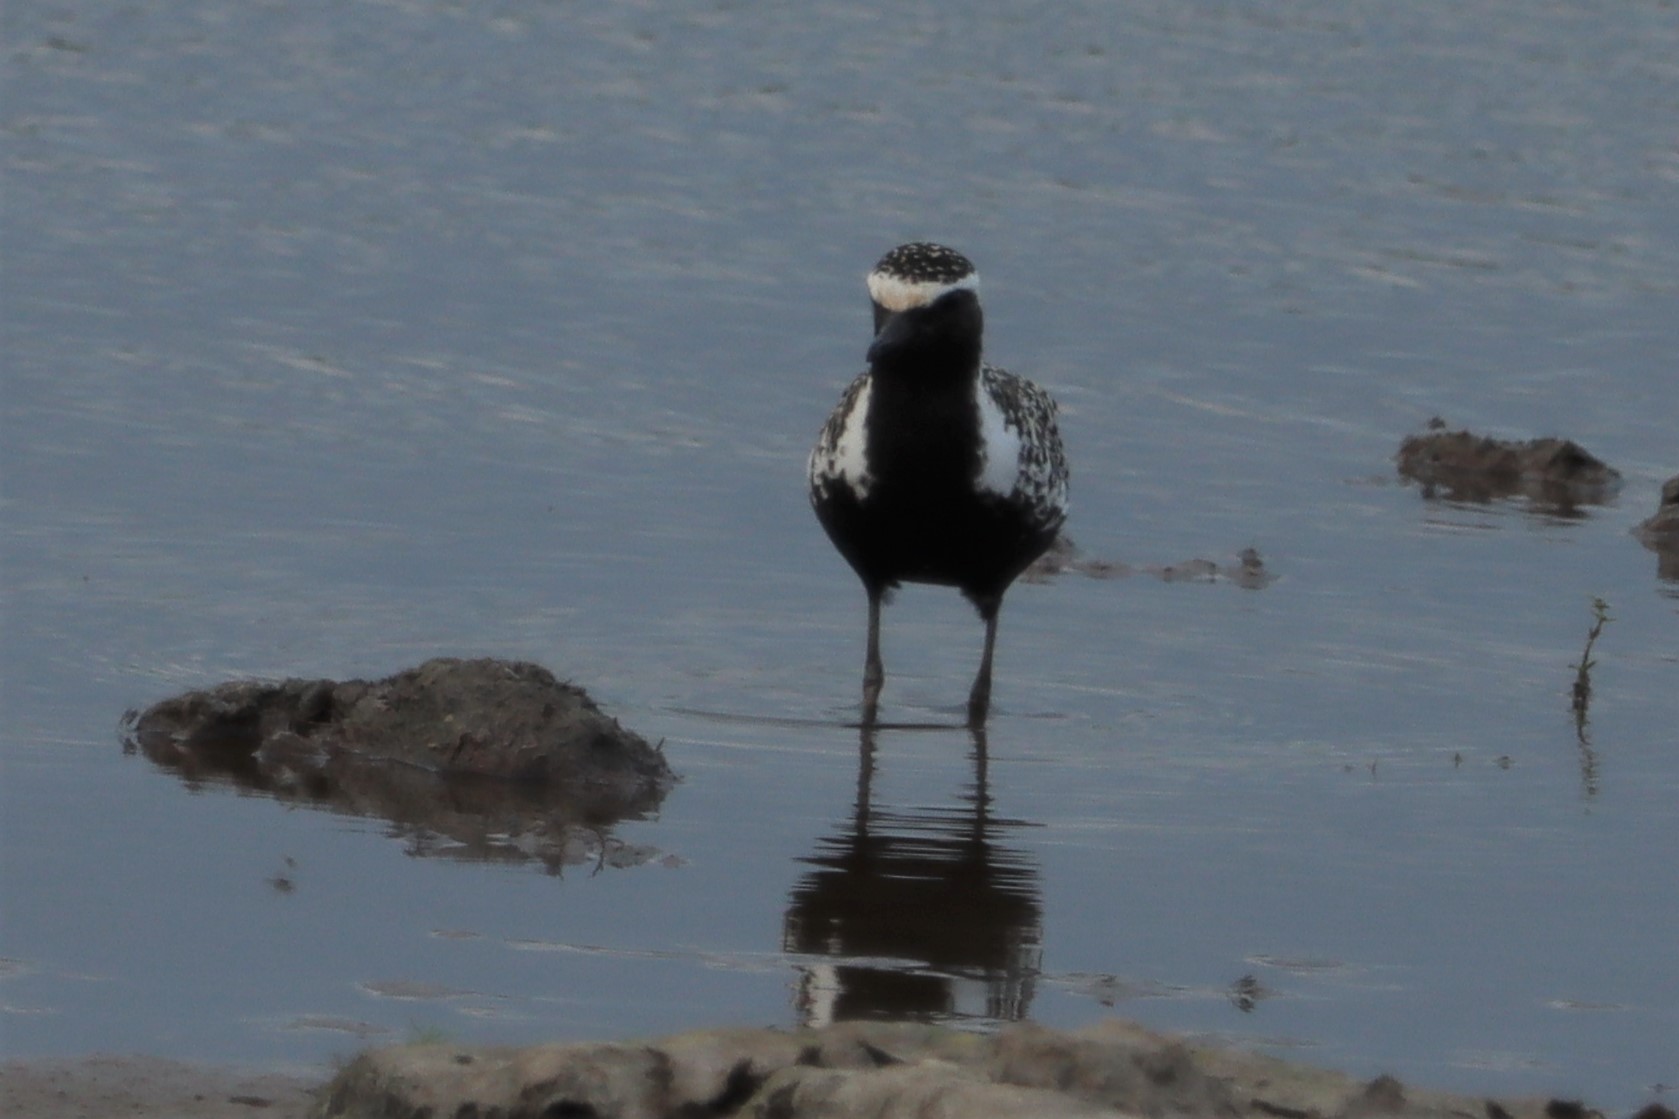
x: 340, y: 336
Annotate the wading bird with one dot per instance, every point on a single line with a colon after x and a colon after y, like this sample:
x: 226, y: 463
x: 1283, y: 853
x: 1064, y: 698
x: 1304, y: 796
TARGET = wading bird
x: 937, y: 467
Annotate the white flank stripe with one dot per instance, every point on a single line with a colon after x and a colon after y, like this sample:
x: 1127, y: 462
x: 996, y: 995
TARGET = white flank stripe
x: 851, y: 454
x: 999, y: 445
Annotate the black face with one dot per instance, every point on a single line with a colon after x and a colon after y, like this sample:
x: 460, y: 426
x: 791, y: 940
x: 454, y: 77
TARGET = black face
x: 944, y: 334
x: 881, y: 314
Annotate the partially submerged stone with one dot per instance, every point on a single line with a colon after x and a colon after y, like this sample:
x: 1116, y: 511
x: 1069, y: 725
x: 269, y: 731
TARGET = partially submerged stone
x: 486, y: 759
x: 1557, y: 475
x: 882, y: 1070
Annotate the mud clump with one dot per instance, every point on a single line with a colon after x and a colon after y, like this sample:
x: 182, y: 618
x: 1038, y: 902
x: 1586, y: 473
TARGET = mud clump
x: 883, y: 1070
x: 1660, y: 533
x: 481, y: 759
x: 1556, y: 475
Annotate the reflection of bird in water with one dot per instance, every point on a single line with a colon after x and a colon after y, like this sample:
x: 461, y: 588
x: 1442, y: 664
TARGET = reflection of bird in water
x: 937, y: 467
x: 915, y: 908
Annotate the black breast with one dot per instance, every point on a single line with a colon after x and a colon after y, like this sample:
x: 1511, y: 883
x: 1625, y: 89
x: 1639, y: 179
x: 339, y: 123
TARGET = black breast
x: 922, y: 519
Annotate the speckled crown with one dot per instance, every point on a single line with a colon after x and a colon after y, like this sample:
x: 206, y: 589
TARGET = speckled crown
x: 915, y: 274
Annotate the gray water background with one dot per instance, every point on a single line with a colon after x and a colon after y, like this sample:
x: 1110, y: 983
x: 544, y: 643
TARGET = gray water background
x: 338, y: 336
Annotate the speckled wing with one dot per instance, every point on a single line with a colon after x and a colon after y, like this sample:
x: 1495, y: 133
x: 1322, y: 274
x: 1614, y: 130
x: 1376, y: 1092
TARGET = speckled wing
x: 1028, y: 413
x: 840, y: 458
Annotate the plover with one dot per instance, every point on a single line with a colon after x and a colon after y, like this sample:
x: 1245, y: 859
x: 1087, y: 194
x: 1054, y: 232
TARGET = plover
x: 937, y: 467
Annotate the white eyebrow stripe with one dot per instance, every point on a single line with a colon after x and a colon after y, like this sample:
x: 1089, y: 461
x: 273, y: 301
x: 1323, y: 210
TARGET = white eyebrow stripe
x: 898, y: 294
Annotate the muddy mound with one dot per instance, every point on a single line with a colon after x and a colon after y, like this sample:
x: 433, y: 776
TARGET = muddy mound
x: 485, y: 759
x: 883, y: 1070
x: 1660, y: 533
x: 1556, y: 475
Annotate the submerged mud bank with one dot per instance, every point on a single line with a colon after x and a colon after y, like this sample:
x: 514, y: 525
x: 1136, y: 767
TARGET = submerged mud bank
x: 479, y: 759
x: 883, y: 1071
x: 1246, y: 569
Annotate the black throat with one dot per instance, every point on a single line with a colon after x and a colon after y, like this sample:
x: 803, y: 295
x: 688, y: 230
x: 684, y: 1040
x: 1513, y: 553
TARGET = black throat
x: 923, y: 416
x: 936, y: 344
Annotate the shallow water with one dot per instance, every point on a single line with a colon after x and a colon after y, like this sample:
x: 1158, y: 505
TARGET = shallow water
x: 339, y: 337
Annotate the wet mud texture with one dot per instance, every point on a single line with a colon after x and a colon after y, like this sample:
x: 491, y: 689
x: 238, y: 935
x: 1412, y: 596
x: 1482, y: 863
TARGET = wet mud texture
x: 883, y: 1071
x: 147, y: 1088
x: 1660, y: 533
x: 478, y: 759
x: 1556, y: 475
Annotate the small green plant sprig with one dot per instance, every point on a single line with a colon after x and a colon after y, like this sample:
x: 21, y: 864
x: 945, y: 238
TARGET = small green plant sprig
x: 1583, y: 670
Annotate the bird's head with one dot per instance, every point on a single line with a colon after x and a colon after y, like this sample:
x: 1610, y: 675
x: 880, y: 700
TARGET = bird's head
x: 926, y: 307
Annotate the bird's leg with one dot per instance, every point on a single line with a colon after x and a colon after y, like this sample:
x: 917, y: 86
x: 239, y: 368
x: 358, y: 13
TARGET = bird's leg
x: 979, y: 699
x: 874, y: 673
